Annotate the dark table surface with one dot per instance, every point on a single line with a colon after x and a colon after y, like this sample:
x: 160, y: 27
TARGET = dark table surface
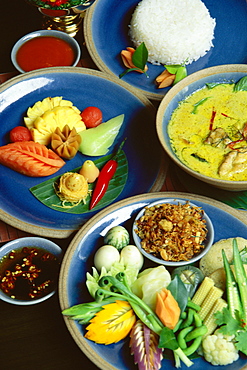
x: 17, y: 19
x: 33, y: 337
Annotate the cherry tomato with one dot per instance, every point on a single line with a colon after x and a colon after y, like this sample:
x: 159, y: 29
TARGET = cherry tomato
x: 91, y: 116
x: 20, y: 133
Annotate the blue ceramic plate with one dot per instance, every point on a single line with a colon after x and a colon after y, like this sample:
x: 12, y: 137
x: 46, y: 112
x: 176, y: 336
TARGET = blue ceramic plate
x: 83, y: 87
x: 106, y: 34
x: 78, y: 260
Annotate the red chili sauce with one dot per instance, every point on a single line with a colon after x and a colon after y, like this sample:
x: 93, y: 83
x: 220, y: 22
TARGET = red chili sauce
x: 44, y: 52
x: 28, y: 273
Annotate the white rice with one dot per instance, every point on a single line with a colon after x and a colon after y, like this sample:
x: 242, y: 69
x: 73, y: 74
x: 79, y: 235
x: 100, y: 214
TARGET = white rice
x: 174, y: 31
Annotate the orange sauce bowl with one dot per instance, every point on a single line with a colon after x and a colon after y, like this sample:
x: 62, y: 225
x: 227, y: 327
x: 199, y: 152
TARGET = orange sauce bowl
x: 44, y: 49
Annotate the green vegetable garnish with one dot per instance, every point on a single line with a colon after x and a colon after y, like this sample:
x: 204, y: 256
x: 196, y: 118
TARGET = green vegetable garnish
x: 191, y: 276
x: 196, y: 105
x: 241, y: 85
x: 176, y: 69
x: 139, y: 59
x: 233, y: 319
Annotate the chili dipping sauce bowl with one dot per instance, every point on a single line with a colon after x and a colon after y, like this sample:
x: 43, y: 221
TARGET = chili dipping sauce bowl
x: 207, y: 242
x: 44, y: 49
x: 29, y: 270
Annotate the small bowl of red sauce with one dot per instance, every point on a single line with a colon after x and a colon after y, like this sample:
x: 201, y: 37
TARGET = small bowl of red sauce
x: 29, y: 270
x: 44, y: 49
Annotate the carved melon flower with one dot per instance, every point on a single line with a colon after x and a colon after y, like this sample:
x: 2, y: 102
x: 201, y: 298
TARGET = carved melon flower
x: 112, y: 323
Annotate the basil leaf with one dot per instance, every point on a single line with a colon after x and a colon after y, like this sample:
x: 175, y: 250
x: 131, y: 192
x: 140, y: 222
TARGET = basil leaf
x: 168, y: 339
x: 241, y: 85
x: 140, y: 56
x: 179, y: 292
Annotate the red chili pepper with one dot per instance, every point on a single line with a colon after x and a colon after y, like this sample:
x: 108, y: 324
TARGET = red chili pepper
x: 106, y: 174
x: 212, y: 120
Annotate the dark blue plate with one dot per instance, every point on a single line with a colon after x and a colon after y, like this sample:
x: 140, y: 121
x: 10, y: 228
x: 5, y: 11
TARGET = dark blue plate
x: 106, y: 34
x: 83, y: 87
x: 78, y: 260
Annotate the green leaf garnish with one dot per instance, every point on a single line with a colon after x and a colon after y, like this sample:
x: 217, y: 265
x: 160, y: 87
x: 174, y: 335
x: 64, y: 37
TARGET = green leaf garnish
x: 179, y: 292
x: 196, y: 105
x: 45, y: 192
x: 168, y: 339
x: 140, y: 56
x: 177, y: 69
x: 241, y: 85
x: 139, y: 59
x: 231, y: 326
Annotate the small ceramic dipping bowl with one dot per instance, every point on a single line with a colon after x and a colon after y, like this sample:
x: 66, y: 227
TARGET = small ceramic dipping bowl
x: 223, y: 74
x: 44, y: 49
x: 29, y: 269
x: 207, y: 243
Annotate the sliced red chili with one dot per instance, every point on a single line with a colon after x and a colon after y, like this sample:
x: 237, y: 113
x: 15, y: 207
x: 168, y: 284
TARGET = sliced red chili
x: 212, y: 120
x: 233, y: 143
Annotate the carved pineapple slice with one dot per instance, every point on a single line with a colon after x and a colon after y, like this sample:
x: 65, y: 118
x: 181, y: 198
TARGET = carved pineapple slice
x: 40, y: 107
x: 46, y: 124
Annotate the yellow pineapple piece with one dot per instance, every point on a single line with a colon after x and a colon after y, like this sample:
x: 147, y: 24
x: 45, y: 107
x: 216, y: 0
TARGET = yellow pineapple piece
x: 40, y: 107
x: 47, y: 123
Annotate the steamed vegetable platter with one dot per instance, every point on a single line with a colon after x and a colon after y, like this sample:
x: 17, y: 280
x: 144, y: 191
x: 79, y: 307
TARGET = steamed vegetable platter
x: 126, y: 312
x: 63, y: 141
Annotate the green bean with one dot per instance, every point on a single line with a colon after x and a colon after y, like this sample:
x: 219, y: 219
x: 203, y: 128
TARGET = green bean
x: 177, y: 325
x: 193, y: 347
x: 189, y: 319
x: 183, y: 315
x: 197, y: 320
x: 193, y: 305
x: 197, y: 332
x: 181, y: 336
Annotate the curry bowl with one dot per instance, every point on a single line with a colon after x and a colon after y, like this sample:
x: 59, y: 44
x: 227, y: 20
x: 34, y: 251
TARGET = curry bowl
x: 44, y: 49
x: 207, y: 78
x: 173, y: 221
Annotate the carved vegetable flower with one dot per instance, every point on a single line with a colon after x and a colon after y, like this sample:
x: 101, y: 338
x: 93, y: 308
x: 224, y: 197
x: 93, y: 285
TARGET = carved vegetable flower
x: 144, y: 347
x: 127, y: 55
x: 135, y: 60
x: 66, y: 142
x: 171, y: 75
x: 112, y: 323
x: 167, y: 308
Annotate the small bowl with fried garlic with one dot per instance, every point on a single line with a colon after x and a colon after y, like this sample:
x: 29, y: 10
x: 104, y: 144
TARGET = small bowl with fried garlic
x: 173, y: 232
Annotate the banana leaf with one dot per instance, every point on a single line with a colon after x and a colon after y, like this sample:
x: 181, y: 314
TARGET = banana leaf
x: 45, y: 192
